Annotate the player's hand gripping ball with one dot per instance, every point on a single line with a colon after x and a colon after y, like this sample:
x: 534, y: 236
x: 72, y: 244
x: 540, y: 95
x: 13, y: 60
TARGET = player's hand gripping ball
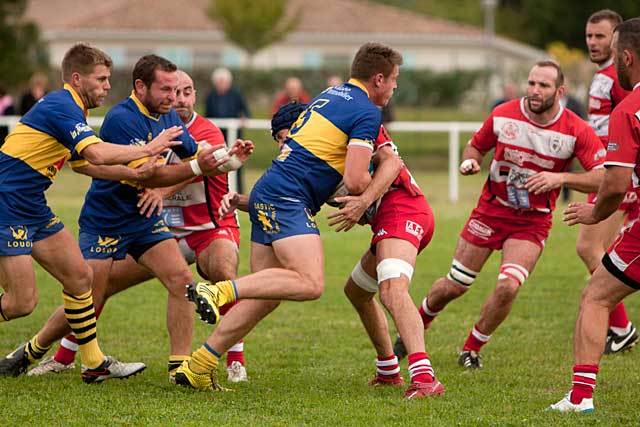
x: 340, y: 191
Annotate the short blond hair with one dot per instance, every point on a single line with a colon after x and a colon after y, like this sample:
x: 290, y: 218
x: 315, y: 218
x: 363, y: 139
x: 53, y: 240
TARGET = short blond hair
x: 83, y: 58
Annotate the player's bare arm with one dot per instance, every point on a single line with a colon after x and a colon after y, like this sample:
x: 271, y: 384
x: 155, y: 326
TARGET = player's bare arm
x: 389, y: 166
x: 356, y: 169
x: 232, y: 201
x: 204, y: 164
x: 119, y: 172
x: 166, y: 192
x: 585, y: 182
x: 612, y: 191
x: 105, y: 153
x: 471, y: 160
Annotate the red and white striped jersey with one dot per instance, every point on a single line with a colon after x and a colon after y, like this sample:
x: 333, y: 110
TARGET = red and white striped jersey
x: 523, y: 148
x: 195, y: 207
x: 604, y: 94
x: 624, y: 136
x: 404, y: 179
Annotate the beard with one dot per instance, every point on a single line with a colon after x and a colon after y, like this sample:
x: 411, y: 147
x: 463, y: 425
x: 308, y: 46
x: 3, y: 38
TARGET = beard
x: 545, y: 104
x: 94, y: 101
x: 155, y: 106
x: 184, y: 113
x: 623, y: 75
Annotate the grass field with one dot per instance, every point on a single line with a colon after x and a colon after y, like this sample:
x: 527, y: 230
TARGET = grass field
x: 309, y: 363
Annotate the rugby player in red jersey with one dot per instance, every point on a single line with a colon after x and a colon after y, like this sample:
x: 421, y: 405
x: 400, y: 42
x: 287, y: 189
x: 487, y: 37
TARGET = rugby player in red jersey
x: 535, y: 139
x: 605, y: 93
x: 402, y: 226
x: 618, y: 274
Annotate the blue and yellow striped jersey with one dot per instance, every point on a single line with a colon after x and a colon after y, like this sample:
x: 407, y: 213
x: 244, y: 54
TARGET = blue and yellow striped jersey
x: 312, y: 160
x: 35, y: 151
x: 110, y: 206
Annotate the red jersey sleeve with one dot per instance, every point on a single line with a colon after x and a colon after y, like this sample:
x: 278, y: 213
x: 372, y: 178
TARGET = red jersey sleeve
x: 589, y: 150
x: 486, y: 138
x: 623, y: 144
x: 207, y: 131
x: 383, y: 139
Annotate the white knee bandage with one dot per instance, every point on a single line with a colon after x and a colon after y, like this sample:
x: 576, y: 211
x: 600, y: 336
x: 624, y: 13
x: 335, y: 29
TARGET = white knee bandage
x: 363, y: 280
x: 461, y: 274
x: 392, y: 268
x: 514, y: 272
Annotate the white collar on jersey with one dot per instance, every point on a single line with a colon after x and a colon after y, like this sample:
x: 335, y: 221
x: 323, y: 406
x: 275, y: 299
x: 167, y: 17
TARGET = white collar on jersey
x: 193, y: 119
x: 549, y: 123
x: 636, y: 86
x: 606, y: 64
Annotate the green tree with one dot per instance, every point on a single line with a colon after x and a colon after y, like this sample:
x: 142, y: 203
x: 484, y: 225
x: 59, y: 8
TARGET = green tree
x: 21, y: 52
x: 253, y: 24
x: 537, y: 22
x: 541, y: 22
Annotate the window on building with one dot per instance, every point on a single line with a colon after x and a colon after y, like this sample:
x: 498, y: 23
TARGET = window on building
x: 181, y: 56
x: 312, y: 59
x: 232, y: 58
x: 117, y: 54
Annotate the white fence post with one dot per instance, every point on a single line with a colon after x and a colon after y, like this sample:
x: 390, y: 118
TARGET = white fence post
x: 454, y: 161
x: 232, y: 135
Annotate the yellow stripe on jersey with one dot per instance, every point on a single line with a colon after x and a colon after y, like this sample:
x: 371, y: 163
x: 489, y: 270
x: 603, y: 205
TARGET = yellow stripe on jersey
x: 358, y: 83
x: 86, y: 142
x: 324, y: 140
x: 76, y: 98
x: 78, y: 163
x: 38, y: 149
x: 143, y: 109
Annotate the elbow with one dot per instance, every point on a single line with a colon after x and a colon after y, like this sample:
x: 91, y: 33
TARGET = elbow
x: 94, y: 157
x: 357, y: 184
x: 80, y: 169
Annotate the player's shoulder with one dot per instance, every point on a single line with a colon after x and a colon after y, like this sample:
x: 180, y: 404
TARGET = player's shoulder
x: 59, y: 102
x: 570, y: 123
x: 511, y: 108
x: 630, y: 104
x: 203, y: 129
x: 120, y: 110
x: 608, y: 71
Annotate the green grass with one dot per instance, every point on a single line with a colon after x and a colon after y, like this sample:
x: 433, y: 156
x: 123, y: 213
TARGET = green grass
x: 309, y: 363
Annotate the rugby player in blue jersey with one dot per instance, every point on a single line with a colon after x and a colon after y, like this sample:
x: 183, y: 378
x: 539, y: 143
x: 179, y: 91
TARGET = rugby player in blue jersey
x: 332, y: 141
x: 30, y: 158
x: 111, y: 225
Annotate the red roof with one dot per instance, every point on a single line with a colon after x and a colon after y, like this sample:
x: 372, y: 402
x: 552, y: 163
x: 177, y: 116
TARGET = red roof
x: 325, y: 16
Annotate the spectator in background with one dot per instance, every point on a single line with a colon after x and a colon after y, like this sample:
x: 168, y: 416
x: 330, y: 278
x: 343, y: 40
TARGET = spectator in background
x: 6, y: 109
x: 37, y: 89
x: 510, y: 91
x: 572, y: 103
x: 293, y: 91
x: 226, y: 101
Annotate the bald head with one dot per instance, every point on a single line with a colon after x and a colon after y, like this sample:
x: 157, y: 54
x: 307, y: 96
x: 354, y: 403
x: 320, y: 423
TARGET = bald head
x: 185, y: 97
x: 293, y: 87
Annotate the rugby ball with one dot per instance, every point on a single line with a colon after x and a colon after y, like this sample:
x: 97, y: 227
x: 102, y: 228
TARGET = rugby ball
x: 340, y: 191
